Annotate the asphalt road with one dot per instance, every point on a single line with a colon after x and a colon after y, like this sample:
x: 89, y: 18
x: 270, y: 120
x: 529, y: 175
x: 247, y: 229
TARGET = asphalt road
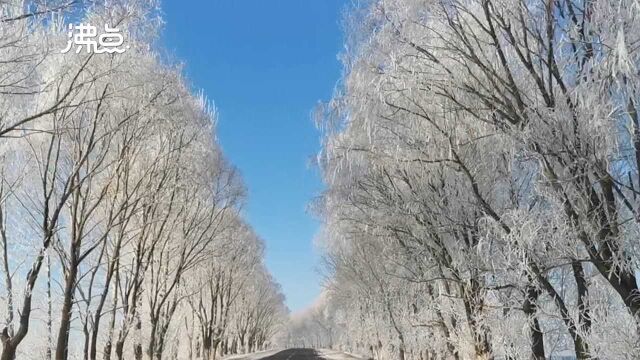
x: 295, y: 354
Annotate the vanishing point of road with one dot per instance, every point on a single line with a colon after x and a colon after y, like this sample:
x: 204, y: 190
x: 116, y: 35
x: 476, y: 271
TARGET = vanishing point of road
x: 306, y: 354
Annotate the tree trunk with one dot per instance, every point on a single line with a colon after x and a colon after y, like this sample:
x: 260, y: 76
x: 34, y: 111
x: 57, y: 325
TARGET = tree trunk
x: 584, y: 321
x: 472, y: 304
x: 537, y: 337
x: 137, y: 347
x: 112, y: 323
x: 8, y: 352
x: 10, y: 343
x: 62, y: 345
x: 49, y: 311
x: 120, y: 349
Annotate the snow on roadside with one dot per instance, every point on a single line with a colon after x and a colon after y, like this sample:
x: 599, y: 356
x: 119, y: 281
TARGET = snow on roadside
x: 336, y: 355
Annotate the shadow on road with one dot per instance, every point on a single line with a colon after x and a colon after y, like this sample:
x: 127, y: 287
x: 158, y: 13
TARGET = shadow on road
x: 295, y: 354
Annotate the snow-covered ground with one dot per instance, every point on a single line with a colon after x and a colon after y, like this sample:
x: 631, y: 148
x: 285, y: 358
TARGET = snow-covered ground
x: 336, y: 355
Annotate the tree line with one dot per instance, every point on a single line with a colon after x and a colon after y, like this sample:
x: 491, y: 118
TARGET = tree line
x: 120, y: 219
x: 482, y: 165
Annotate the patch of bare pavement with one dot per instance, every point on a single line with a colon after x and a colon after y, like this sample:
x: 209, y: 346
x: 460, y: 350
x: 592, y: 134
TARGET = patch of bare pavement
x: 300, y: 354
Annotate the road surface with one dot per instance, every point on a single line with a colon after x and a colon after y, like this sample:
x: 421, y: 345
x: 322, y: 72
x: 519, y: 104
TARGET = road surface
x: 295, y: 354
x: 299, y: 354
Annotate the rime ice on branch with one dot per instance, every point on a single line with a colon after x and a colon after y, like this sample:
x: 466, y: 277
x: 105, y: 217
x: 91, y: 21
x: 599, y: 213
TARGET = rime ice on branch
x: 482, y: 159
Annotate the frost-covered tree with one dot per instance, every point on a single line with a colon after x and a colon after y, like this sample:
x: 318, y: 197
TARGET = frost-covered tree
x: 481, y: 163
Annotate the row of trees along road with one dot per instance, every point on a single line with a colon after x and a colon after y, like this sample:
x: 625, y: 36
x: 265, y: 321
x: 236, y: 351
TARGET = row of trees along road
x: 120, y: 230
x: 482, y: 160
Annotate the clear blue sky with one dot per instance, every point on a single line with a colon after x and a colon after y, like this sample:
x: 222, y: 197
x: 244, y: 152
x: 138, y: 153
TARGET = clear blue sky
x: 266, y: 64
